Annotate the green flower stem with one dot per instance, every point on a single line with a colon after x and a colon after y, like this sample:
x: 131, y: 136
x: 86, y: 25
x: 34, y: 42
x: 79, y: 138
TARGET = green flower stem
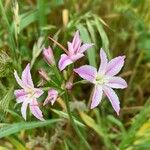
x: 73, y: 123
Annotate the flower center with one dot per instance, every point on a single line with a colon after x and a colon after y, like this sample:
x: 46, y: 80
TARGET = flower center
x: 30, y: 92
x: 101, y: 79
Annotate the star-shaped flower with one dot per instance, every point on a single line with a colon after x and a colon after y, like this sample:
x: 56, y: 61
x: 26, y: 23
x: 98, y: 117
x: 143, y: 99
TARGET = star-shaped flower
x: 75, y: 52
x: 104, y: 79
x: 28, y: 94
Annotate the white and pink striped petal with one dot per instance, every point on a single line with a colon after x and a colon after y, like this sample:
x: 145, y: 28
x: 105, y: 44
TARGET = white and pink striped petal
x: 115, y: 65
x: 64, y: 62
x: 86, y: 72
x: 35, y: 110
x: 24, y: 108
x: 113, y: 98
x: 19, y: 81
x: 76, y: 57
x: 26, y: 76
x: 76, y: 42
x: 97, y: 96
x: 38, y: 92
x: 117, y: 83
x: 84, y: 47
x: 52, y: 97
x: 20, y: 95
x: 104, y: 62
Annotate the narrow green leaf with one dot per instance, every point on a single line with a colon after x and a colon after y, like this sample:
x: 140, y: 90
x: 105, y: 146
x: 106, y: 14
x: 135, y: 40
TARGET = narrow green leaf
x: 41, y: 13
x: 92, y: 31
x: 104, y: 38
x: 17, y: 127
x: 91, y: 123
x: 65, y: 115
x: 86, y: 38
x: 16, y: 143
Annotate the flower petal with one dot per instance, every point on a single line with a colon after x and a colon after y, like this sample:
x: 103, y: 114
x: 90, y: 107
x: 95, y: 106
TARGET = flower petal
x: 26, y: 76
x: 113, y: 98
x: 52, y: 97
x: 97, y: 96
x: 70, y: 48
x: 86, y: 72
x: 104, y: 61
x: 76, y: 57
x: 117, y: 83
x: 19, y: 81
x: 64, y: 61
x: 115, y: 65
x: 84, y: 47
x: 35, y: 110
x: 24, y: 108
x: 76, y: 42
x: 20, y: 95
x: 38, y: 92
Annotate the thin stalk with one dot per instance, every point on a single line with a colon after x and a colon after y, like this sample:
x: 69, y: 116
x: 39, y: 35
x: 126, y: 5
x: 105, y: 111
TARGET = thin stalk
x: 73, y: 123
x: 63, y: 48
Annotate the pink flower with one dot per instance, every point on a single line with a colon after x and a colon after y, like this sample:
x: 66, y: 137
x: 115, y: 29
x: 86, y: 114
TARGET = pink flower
x: 52, y: 97
x: 28, y: 94
x: 104, y: 79
x: 48, y: 56
x: 75, y: 52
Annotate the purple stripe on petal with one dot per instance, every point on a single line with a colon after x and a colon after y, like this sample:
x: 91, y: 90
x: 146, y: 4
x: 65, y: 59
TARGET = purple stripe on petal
x: 115, y: 65
x: 104, y: 62
x: 76, y: 57
x: 20, y: 95
x: 76, y: 40
x: 38, y: 92
x: 52, y: 97
x: 19, y: 81
x: 70, y: 49
x: 26, y: 76
x: 97, y: 96
x: 64, y: 62
x: 35, y: 110
x: 113, y: 98
x: 117, y: 83
x: 84, y: 47
x: 86, y: 72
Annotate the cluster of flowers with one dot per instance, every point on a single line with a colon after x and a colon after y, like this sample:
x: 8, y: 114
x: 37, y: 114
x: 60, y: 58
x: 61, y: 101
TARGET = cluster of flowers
x: 104, y: 78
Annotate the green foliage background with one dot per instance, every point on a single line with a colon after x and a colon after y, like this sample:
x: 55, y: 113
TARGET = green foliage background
x: 121, y: 27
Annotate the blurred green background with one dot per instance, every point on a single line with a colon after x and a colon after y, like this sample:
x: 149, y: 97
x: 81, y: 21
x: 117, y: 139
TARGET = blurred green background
x: 121, y: 27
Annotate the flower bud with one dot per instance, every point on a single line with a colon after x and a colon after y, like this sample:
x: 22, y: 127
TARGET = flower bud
x: 52, y: 97
x: 44, y: 75
x: 48, y: 56
x: 69, y: 85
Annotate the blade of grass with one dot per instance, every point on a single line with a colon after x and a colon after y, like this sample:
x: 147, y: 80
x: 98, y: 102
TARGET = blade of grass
x: 73, y: 123
x: 16, y: 143
x: 140, y: 119
x: 65, y: 115
x: 41, y: 13
x: 17, y: 127
x: 86, y: 38
x: 104, y: 38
